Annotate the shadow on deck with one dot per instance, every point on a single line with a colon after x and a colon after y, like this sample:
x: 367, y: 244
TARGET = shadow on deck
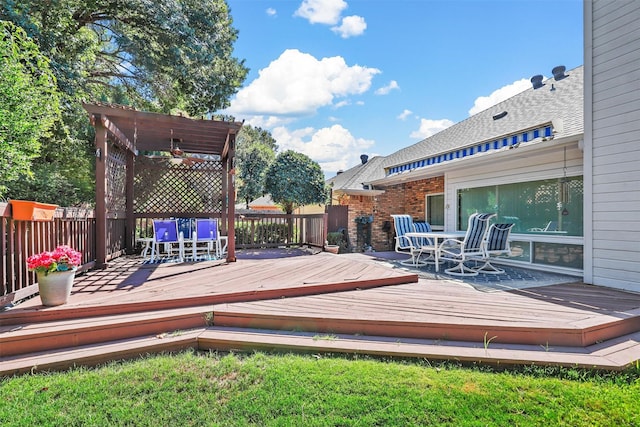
x: 296, y: 300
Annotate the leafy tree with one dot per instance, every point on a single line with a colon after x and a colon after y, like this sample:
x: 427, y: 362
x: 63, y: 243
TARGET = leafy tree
x: 252, y: 135
x: 161, y: 55
x: 255, y: 153
x: 29, y: 103
x: 295, y: 180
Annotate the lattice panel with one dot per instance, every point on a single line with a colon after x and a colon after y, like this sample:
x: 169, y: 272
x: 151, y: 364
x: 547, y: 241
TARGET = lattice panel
x: 192, y: 186
x: 116, y: 179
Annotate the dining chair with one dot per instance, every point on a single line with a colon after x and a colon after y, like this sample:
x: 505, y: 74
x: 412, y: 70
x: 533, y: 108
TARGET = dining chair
x: 472, y: 246
x: 497, y: 243
x: 165, y: 233
x: 206, y: 231
x: 404, y: 224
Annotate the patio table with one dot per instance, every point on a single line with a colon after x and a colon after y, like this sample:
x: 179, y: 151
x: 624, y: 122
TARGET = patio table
x: 437, y: 237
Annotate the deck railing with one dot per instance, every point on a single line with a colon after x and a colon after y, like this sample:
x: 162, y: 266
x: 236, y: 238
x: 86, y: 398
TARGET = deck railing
x: 20, y: 239
x: 77, y: 228
x: 264, y: 230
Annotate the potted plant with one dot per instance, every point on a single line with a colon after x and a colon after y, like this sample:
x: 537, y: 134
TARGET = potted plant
x: 55, y: 272
x: 333, y: 243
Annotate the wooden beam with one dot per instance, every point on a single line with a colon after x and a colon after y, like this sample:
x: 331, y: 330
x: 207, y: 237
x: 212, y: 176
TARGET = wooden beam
x: 120, y: 137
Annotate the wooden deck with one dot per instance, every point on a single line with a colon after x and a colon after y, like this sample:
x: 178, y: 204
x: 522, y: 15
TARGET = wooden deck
x: 285, y: 304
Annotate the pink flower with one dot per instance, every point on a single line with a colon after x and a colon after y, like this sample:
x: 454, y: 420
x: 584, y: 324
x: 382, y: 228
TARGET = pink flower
x: 63, y: 258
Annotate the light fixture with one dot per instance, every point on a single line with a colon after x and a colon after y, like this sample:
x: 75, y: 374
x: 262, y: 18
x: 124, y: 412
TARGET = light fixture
x: 176, y: 152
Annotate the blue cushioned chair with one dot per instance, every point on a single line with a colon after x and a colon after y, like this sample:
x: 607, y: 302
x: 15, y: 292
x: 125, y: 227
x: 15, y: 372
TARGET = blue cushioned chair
x: 206, y: 231
x: 165, y: 233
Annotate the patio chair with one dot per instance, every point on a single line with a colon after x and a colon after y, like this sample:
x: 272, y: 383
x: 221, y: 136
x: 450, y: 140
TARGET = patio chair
x: 551, y: 226
x: 471, y: 247
x: 424, y: 244
x: 186, y: 226
x: 404, y: 224
x: 166, y: 234
x: 497, y: 243
x: 206, y: 231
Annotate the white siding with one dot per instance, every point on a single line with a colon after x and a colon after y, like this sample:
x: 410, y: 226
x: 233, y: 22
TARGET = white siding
x: 612, y: 139
x: 535, y: 165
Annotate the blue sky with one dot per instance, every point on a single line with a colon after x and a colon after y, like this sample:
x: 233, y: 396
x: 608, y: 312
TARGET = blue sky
x: 335, y: 79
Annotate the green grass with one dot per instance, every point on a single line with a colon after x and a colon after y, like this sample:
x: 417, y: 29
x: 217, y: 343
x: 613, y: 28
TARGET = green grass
x: 207, y: 389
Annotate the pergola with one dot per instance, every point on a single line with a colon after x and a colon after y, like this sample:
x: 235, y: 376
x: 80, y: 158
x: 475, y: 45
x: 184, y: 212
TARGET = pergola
x: 151, y: 165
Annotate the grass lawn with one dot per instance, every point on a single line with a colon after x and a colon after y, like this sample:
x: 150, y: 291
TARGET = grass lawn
x: 209, y: 389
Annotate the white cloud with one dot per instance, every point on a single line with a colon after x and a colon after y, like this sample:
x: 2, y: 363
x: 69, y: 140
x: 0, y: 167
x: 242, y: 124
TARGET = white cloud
x: 271, y: 11
x: 267, y: 122
x: 297, y: 84
x: 334, y: 148
x: 351, y: 26
x: 393, y: 85
x: 430, y: 127
x: 404, y: 114
x: 321, y: 11
x: 499, y: 95
x: 342, y: 104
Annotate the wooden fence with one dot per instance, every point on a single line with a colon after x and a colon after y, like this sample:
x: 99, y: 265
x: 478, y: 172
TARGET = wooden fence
x: 77, y: 228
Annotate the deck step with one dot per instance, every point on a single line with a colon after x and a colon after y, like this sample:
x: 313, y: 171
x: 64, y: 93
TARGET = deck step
x: 46, y: 336
x: 95, y: 354
x: 615, y: 354
x: 575, y: 335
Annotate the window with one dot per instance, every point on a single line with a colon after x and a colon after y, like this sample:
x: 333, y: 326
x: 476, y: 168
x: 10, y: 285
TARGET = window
x: 548, y: 207
x: 435, y: 211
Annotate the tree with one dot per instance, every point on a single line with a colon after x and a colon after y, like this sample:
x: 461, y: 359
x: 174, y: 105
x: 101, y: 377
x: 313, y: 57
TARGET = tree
x: 163, y: 56
x: 29, y: 103
x: 159, y: 55
x: 255, y: 153
x: 295, y: 180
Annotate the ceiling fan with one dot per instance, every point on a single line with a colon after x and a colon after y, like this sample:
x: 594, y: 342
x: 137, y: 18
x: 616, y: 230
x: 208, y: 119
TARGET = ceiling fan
x: 178, y: 156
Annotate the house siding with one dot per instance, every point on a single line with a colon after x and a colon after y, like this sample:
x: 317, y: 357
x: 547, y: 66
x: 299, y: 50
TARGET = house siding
x: 543, y: 164
x: 612, y: 139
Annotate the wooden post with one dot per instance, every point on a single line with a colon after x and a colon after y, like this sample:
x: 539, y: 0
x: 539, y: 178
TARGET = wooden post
x: 101, y: 193
x: 130, y: 232
x: 231, y: 192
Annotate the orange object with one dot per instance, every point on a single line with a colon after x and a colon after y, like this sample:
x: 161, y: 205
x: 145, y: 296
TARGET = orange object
x: 25, y: 210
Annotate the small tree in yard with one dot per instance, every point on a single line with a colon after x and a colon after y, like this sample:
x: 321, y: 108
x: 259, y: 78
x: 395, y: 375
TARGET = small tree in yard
x: 256, y: 150
x: 295, y: 180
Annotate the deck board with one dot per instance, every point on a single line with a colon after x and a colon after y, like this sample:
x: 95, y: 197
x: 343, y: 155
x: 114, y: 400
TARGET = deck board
x: 343, y: 294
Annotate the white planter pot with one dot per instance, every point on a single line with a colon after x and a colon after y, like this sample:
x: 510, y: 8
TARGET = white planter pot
x: 55, y: 287
x: 334, y: 249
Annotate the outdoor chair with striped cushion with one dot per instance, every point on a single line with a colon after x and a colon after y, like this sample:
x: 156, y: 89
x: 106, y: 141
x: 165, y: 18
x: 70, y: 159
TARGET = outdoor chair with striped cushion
x: 404, y: 224
x: 471, y: 247
x: 497, y: 244
x: 424, y: 244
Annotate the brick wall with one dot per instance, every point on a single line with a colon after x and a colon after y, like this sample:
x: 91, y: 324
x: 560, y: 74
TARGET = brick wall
x: 407, y: 198
x: 359, y: 206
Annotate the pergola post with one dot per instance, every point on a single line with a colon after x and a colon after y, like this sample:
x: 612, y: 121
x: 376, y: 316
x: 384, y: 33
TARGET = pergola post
x: 130, y: 234
x: 101, y: 192
x: 231, y: 192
